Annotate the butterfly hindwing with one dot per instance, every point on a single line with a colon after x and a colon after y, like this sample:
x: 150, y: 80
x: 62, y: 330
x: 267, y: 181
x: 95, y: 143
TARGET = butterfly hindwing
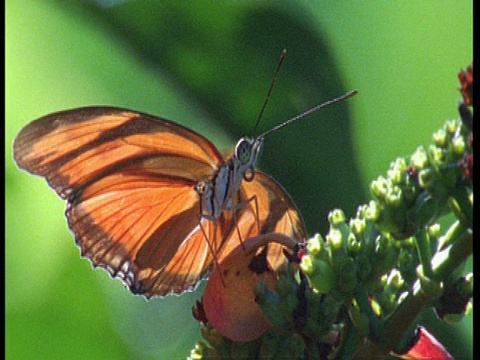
x: 266, y: 208
x: 133, y: 201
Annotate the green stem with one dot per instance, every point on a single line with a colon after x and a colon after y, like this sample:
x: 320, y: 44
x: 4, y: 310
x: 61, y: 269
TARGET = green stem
x: 349, y: 342
x: 462, y: 207
x: 444, y: 263
x: 375, y: 325
x: 424, y: 254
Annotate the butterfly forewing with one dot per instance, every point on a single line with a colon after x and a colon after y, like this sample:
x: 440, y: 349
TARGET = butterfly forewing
x: 76, y: 147
x: 132, y: 181
x: 129, y: 180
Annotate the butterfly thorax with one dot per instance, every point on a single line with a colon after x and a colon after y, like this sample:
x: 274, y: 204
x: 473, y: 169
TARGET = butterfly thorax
x: 219, y: 193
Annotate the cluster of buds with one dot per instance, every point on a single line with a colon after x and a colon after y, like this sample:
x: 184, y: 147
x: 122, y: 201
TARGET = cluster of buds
x: 356, y: 292
x: 420, y: 189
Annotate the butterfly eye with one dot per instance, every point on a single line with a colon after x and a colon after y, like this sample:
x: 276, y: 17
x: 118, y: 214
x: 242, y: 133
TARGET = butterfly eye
x: 201, y: 187
x: 243, y: 151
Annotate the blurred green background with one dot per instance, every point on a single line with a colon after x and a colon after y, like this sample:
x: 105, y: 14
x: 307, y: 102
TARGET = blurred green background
x: 208, y: 66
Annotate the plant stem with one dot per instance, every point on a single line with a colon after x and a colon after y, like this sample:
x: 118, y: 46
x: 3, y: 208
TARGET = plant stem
x: 444, y: 263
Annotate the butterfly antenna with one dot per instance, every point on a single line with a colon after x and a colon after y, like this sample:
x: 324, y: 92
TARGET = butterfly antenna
x: 282, y: 59
x: 309, y: 112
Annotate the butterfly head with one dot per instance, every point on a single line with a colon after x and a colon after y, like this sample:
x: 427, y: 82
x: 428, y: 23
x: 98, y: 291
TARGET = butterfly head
x: 247, y: 151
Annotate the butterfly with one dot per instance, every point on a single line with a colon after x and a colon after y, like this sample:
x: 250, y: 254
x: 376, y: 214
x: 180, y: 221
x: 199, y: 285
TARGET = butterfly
x: 151, y: 201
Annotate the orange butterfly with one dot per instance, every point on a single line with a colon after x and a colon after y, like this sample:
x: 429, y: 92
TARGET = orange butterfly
x: 151, y: 201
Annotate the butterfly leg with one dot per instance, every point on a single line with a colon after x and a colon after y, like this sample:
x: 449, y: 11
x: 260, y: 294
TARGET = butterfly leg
x: 255, y: 213
x: 212, y: 245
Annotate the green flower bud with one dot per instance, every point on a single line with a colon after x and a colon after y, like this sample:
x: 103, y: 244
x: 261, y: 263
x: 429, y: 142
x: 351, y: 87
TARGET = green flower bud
x: 315, y: 245
x: 394, y: 196
x: 399, y: 164
x: 382, y: 282
x: 335, y: 240
x: 362, y: 211
x: 336, y: 217
x: 458, y: 146
x: 438, y: 156
x: 395, y: 280
x: 354, y: 246
x: 387, y: 253
x: 395, y: 176
x: 357, y: 226
x: 373, y: 211
x: 434, y: 230
x: 379, y: 306
x: 379, y: 188
x: 419, y: 158
x: 197, y: 351
x: 451, y: 126
x: 319, y: 274
x: 440, y: 138
x: 426, y: 178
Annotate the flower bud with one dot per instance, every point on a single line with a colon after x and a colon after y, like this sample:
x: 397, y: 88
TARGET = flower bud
x: 336, y: 217
x: 419, y: 159
x: 319, y: 274
x: 354, y: 246
x: 451, y: 126
x: 426, y: 178
x: 438, y: 156
x: 373, y: 212
x: 379, y: 188
x: 440, y: 138
x: 395, y: 176
x: 357, y: 226
x: 458, y: 146
x: 315, y: 245
x: 394, y: 196
x: 395, y: 280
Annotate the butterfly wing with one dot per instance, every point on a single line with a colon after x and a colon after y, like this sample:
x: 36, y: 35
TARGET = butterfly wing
x: 129, y: 181
x: 76, y: 147
x: 267, y: 209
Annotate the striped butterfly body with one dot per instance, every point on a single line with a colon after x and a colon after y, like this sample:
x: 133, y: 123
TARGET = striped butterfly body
x: 150, y: 201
